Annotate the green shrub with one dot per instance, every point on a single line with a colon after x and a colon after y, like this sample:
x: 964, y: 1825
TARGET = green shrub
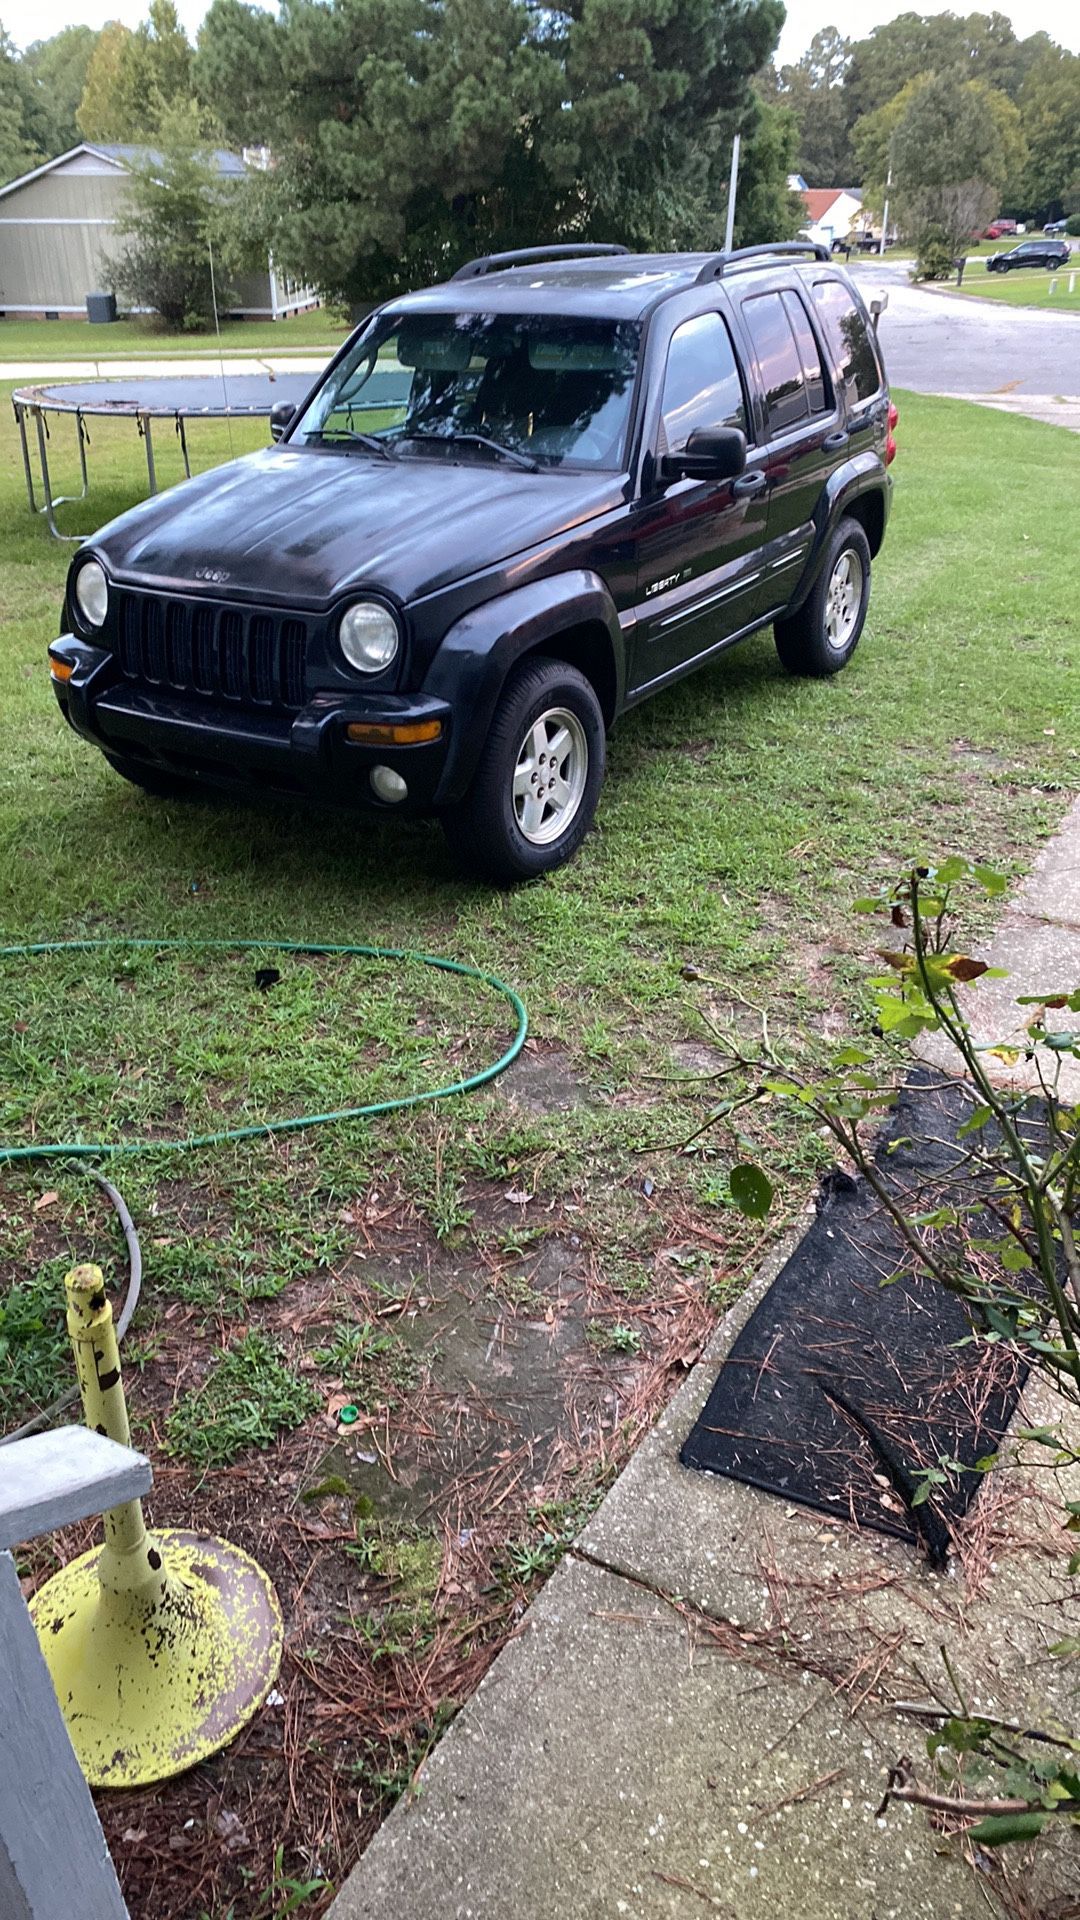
x: 934, y: 260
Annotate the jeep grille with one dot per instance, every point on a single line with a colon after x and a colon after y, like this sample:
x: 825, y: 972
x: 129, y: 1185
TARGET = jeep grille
x: 235, y: 653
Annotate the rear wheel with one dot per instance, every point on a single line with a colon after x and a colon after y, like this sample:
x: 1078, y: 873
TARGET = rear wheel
x: 822, y: 636
x: 165, y: 786
x: 535, y: 790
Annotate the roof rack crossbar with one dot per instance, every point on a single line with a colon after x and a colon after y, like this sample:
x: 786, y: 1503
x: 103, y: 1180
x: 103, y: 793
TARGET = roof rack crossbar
x: 528, y: 256
x: 720, y: 263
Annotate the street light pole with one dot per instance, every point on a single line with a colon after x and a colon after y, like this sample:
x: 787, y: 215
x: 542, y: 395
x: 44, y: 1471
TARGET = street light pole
x: 729, y: 229
x: 885, y: 217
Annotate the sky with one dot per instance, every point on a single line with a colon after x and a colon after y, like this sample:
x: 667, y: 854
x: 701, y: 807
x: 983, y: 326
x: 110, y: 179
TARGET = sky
x: 27, y: 20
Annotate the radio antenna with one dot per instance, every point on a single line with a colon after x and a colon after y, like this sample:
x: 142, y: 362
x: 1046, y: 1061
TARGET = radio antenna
x: 221, y: 352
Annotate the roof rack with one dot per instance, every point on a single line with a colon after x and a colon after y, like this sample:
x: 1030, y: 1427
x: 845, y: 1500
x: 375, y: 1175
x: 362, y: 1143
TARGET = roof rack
x: 720, y: 263
x: 528, y: 256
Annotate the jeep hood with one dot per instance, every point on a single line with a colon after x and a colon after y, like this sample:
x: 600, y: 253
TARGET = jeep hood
x: 301, y: 526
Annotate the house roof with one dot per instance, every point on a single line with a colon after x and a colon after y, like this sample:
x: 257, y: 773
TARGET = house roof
x: 123, y: 158
x: 818, y: 200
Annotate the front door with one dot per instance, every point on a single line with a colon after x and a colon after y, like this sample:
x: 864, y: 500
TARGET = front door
x: 698, y: 541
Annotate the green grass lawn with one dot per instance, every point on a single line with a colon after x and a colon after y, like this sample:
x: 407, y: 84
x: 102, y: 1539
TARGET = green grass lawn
x: 146, y: 339
x: 742, y: 814
x: 1028, y: 287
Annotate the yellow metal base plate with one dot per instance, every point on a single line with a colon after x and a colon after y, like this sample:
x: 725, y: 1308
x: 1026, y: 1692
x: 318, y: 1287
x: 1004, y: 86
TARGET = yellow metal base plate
x: 150, y: 1684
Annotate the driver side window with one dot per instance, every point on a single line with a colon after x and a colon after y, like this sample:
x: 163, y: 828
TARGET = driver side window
x: 702, y: 387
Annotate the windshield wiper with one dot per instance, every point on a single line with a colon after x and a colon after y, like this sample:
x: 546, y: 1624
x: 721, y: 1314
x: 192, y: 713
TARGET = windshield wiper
x: 368, y: 440
x: 476, y: 440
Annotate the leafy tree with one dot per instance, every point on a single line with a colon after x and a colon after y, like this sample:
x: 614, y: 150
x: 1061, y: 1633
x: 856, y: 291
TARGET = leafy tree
x: 178, y: 211
x: 949, y: 159
x: 18, y: 147
x: 872, y: 135
x: 110, y: 107
x: 57, y: 69
x: 814, y: 90
x: 238, y: 71
x: 135, y: 78
x: 978, y: 46
x: 409, y: 134
x: 1050, y: 109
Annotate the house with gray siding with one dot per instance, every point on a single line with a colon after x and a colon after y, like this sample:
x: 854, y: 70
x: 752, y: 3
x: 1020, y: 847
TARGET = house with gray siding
x: 58, y: 236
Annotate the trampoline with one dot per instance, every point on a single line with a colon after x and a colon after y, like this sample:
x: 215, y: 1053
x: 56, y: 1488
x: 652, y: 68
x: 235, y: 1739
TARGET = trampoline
x: 175, y: 397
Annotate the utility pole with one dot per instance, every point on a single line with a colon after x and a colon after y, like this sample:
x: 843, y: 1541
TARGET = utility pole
x: 729, y: 229
x: 885, y: 217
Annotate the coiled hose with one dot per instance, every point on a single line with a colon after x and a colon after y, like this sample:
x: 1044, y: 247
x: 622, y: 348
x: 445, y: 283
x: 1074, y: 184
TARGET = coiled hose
x: 85, y: 1149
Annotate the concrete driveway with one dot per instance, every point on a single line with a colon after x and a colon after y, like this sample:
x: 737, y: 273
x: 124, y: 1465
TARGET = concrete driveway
x: 1020, y: 359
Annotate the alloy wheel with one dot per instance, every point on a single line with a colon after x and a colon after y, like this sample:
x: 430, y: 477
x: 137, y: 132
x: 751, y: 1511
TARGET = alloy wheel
x: 843, y: 599
x: 550, y: 776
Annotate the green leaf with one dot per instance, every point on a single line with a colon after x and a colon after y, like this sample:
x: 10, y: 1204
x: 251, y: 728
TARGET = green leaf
x: 1014, y: 1259
x: 990, y: 880
x: 865, y: 906
x: 974, y: 1121
x: 1002, y: 1828
x: 1045, y: 1436
x: 751, y: 1190
x: 852, y: 1057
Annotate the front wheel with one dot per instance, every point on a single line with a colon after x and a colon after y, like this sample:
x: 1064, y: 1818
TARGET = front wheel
x: 822, y: 636
x: 535, y: 790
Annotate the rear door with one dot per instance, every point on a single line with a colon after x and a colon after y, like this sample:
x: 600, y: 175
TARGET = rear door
x: 856, y: 366
x: 698, y: 541
x: 803, y: 431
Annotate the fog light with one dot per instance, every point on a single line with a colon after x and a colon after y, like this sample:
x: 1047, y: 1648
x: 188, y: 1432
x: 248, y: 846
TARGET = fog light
x: 388, y: 785
x: 60, y: 669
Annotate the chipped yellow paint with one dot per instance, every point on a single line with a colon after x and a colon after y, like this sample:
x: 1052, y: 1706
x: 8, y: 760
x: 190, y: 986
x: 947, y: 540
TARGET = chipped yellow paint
x: 162, y: 1645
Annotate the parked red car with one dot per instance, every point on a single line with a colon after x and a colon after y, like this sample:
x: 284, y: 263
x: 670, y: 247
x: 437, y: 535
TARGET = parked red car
x: 997, y: 228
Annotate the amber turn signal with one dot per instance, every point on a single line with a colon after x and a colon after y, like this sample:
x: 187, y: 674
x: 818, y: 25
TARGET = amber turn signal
x: 379, y: 733
x: 60, y: 669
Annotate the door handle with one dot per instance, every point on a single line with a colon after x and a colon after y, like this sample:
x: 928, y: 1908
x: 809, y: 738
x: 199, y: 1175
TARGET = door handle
x: 749, y: 483
x: 833, y: 441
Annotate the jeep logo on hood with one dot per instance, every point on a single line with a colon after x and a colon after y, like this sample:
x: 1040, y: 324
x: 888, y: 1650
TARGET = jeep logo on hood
x: 217, y: 576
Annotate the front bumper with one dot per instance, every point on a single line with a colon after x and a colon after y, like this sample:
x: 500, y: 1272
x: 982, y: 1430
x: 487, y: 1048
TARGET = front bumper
x: 244, y: 750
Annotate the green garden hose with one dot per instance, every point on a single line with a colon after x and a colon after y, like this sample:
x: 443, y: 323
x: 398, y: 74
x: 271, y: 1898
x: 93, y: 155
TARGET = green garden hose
x: 93, y: 1149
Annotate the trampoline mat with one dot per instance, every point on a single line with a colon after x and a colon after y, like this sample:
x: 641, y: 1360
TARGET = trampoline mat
x: 847, y: 1380
x: 202, y: 395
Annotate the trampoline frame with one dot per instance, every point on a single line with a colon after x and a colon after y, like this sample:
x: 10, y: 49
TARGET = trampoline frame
x: 35, y: 403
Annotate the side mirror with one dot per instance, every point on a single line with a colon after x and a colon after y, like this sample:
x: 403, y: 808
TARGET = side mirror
x: 711, y: 453
x: 282, y: 414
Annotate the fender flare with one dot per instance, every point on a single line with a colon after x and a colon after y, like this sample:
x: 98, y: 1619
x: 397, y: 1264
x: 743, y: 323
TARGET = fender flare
x: 864, y: 474
x: 469, y: 668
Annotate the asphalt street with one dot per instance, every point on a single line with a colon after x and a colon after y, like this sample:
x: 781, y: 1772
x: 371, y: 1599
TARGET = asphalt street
x: 1019, y: 358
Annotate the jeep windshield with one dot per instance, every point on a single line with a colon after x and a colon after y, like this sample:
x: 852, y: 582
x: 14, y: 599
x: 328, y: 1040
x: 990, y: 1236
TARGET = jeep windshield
x: 531, y: 390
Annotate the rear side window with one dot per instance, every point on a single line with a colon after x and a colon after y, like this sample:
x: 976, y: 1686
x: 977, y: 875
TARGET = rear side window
x: 702, y: 387
x: 813, y: 373
x: 849, y: 338
x: 780, y: 360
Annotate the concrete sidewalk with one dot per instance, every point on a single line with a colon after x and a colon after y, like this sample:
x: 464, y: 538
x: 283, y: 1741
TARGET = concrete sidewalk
x: 697, y: 1714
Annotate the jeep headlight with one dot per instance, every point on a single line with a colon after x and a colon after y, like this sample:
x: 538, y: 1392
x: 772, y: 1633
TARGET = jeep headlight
x: 368, y: 636
x: 92, y: 593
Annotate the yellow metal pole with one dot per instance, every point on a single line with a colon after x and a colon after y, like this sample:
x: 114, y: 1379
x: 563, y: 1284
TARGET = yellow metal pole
x: 126, y: 1564
x: 160, y: 1645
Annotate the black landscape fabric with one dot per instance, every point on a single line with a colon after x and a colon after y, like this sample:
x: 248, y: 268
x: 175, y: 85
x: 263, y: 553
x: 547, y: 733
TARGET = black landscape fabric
x: 839, y: 1389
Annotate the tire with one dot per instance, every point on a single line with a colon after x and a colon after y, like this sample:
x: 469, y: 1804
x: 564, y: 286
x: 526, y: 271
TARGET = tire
x: 822, y: 636
x: 504, y: 830
x: 164, y: 786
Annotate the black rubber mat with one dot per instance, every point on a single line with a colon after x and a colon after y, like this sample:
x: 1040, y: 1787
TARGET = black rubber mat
x: 840, y: 1388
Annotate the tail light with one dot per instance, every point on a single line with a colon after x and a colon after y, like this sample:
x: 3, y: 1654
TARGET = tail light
x: 890, y: 443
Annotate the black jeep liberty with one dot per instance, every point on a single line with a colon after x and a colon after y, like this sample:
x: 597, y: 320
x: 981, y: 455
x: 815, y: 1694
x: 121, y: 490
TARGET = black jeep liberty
x: 511, y: 508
